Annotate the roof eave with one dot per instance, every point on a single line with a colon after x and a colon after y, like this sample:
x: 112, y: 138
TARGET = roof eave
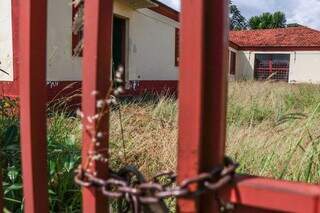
x: 139, y: 4
x: 279, y: 48
x: 165, y: 10
x: 234, y: 45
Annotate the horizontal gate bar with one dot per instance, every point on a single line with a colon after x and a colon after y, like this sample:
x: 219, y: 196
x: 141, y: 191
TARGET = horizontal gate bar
x: 32, y: 67
x: 96, y: 83
x: 275, y: 195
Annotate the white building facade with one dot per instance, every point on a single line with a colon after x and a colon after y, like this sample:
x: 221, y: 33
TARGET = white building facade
x: 290, y: 54
x: 144, y: 39
x: 146, y: 44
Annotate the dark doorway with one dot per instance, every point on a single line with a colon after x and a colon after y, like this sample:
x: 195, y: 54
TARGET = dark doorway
x: 272, y: 66
x: 119, y: 44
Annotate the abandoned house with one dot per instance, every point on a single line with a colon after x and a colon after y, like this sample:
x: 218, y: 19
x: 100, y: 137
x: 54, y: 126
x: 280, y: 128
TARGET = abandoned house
x: 290, y: 54
x: 146, y: 44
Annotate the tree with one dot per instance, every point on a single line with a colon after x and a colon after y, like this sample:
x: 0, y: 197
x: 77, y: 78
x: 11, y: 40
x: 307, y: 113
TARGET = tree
x: 268, y: 21
x: 237, y: 20
x: 279, y: 20
x: 254, y: 22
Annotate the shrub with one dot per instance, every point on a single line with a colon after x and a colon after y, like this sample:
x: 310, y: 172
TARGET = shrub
x: 63, y: 158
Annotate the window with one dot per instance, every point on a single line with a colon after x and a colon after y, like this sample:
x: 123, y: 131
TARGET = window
x: 272, y: 66
x: 177, y: 40
x: 233, y: 59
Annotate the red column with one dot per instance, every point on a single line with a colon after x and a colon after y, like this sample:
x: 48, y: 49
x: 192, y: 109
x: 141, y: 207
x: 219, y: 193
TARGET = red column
x: 203, y: 86
x: 32, y: 68
x: 96, y: 81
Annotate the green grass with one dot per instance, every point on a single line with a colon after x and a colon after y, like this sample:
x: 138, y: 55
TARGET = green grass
x: 272, y: 132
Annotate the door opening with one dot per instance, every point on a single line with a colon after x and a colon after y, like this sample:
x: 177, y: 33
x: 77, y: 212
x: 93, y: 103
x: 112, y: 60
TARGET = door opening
x: 119, y: 46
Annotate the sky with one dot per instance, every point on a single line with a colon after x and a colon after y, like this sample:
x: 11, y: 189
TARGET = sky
x: 305, y: 12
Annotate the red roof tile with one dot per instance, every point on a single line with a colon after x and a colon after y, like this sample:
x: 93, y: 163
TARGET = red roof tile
x: 301, y: 37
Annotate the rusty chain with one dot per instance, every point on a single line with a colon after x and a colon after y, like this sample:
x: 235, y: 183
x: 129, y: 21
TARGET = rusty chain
x: 121, y: 185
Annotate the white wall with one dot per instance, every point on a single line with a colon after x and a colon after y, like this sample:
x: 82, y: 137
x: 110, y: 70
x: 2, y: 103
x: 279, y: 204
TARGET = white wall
x: 305, y: 67
x: 152, y: 47
x: 150, y: 44
x: 61, y: 66
x: 6, y: 62
x: 245, y: 65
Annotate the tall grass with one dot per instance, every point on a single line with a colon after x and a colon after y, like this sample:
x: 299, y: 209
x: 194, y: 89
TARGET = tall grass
x: 272, y: 131
x: 150, y: 135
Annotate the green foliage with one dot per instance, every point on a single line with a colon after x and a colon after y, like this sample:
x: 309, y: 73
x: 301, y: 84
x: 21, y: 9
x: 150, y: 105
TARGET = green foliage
x: 279, y: 20
x: 268, y: 21
x: 254, y: 22
x: 264, y: 21
x: 63, y: 158
x: 237, y: 20
x: 10, y: 164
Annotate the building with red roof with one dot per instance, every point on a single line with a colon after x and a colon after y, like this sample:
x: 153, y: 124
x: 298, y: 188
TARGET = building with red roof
x: 291, y: 54
x: 145, y: 44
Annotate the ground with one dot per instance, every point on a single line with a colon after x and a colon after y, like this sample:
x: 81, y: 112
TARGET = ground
x: 272, y: 132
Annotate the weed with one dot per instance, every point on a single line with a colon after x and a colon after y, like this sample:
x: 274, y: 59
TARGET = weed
x: 272, y: 132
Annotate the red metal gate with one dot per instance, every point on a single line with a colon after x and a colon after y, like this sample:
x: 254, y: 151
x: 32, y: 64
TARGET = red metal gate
x: 202, y: 120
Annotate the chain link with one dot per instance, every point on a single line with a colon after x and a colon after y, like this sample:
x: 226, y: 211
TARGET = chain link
x: 142, y: 192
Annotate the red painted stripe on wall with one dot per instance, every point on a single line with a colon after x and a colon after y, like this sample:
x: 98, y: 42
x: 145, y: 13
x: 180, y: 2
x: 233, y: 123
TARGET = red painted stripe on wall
x: 66, y: 89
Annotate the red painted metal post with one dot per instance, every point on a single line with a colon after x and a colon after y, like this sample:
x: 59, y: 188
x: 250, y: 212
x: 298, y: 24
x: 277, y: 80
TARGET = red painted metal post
x: 32, y: 67
x: 96, y: 82
x: 203, y: 86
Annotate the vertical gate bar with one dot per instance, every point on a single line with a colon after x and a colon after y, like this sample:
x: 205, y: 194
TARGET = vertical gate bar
x: 96, y: 82
x: 203, y: 91
x: 32, y: 80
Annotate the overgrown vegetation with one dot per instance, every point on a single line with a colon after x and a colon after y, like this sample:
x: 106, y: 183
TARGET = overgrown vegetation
x: 63, y: 157
x: 272, y: 131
